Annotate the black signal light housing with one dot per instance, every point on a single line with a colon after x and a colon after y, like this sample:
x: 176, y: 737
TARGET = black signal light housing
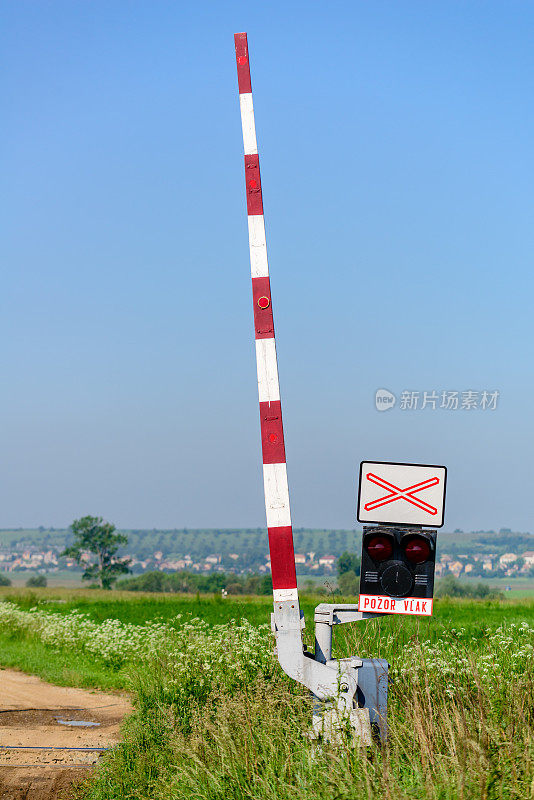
x: 398, y: 562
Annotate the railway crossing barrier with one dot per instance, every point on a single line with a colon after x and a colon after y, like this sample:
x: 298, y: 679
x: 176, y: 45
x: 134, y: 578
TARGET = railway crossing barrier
x: 399, y: 561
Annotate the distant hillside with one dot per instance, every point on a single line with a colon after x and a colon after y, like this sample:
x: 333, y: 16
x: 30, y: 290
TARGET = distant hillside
x: 252, y: 543
x: 197, y: 543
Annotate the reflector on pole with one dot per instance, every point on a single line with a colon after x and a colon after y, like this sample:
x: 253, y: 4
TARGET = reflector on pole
x: 272, y: 433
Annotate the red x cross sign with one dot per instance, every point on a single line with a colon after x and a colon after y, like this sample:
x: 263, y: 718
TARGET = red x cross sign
x: 401, y: 494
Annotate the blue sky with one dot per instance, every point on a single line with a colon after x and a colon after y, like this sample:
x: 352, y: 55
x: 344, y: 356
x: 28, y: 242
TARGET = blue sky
x: 395, y: 142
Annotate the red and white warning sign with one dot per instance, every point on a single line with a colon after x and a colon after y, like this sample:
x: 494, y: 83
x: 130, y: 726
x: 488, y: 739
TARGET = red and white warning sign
x: 403, y: 494
x: 382, y: 604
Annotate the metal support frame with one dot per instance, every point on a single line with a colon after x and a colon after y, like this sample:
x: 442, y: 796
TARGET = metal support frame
x: 355, y: 689
x: 326, y: 616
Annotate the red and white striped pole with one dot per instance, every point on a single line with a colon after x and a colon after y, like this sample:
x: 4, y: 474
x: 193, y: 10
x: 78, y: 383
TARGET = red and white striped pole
x: 335, y: 682
x: 272, y: 433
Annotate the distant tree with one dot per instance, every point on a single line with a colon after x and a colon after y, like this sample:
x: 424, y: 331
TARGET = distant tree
x: 257, y: 584
x: 147, y: 582
x: 251, y: 584
x: 349, y: 583
x: 190, y: 582
x: 348, y: 562
x: 94, y: 535
x: 452, y: 587
x: 37, y: 582
x: 266, y: 585
x: 4, y: 581
x: 478, y: 570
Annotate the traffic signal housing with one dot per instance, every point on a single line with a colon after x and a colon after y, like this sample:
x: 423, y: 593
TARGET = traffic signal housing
x: 397, y: 570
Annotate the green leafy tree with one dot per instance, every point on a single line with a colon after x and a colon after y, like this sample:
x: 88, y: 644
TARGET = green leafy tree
x: 349, y: 583
x: 235, y: 588
x: 348, y: 562
x: 36, y: 581
x: 452, y: 587
x: 4, y: 581
x: 94, y: 535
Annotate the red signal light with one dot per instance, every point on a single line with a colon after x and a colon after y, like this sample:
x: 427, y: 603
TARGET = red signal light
x: 379, y: 548
x: 417, y: 550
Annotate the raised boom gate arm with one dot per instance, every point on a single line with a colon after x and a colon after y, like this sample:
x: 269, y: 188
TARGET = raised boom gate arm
x: 350, y: 684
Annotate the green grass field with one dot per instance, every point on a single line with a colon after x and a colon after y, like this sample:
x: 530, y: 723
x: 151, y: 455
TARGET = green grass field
x: 216, y: 718
x: 140, y: 607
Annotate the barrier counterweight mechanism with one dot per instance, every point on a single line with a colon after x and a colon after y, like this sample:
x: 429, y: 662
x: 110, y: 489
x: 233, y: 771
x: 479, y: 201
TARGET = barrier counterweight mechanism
x: 348, y: 690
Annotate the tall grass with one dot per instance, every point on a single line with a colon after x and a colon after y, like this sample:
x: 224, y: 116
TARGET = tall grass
x: 461, y: 714
x: 254, y: 746
x: 215, y: 717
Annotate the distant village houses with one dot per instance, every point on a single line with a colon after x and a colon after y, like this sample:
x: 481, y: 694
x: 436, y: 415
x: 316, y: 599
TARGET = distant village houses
x: 328, y: 562
x: 475, y: 565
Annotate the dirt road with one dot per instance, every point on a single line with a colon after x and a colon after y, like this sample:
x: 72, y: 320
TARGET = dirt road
x: 35, y: 714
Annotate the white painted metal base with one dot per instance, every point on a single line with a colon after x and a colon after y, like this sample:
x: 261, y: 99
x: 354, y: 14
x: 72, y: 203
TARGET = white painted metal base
x: 331, y: 726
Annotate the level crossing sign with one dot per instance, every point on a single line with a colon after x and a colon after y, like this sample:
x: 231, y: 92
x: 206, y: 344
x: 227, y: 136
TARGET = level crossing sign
x: 401, y: 494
